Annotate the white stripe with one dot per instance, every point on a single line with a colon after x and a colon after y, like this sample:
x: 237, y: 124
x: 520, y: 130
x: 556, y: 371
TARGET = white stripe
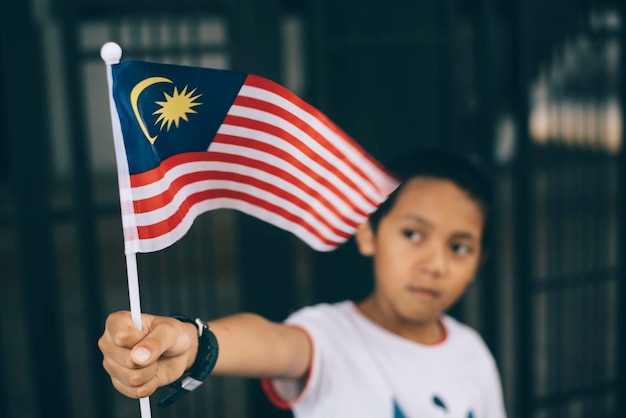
x: 339, y: 202
x: 159, y: 187
x: 163, y: 213
x: 320, y: 208
x: 158, y: 243
x: 351, y: 194
x: 162, y: 186
x: 274, y: 120
x: 353, y: 154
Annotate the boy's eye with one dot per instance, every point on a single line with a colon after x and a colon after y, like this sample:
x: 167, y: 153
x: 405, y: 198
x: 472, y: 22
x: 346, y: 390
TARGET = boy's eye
x: 462, y: 249
x: 412, y: 235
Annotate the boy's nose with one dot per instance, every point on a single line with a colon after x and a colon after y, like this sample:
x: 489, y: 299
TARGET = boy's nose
x: 434, y: 261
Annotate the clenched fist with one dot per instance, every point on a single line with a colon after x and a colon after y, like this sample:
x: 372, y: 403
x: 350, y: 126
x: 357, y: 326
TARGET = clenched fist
x: 139, y: 362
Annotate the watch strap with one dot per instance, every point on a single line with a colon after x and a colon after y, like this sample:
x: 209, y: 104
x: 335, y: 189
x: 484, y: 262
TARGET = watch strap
x: 203, y: 365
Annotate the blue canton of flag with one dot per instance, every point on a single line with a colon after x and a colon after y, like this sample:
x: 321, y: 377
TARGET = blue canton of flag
x: 166, y: 110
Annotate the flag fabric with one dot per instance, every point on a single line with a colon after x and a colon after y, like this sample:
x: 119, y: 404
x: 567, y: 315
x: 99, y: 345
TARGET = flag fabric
x: 189, y: 140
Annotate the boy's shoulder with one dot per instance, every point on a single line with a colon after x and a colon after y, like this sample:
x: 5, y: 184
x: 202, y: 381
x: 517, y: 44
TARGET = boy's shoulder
x: 469, y: 339
x: 344, y: 319
x: 323, y: 312
x: 344, y: 315
x: 453, y: 325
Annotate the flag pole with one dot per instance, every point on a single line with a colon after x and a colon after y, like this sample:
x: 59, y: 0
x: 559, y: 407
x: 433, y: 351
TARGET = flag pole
x: 135, y: 312
x: 111, y: 53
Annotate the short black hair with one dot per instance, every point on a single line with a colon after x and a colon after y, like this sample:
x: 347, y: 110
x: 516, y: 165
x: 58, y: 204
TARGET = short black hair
x: 444, y: 165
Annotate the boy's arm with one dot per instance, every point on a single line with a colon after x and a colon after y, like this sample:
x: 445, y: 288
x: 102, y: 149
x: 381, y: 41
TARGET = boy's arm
x: 141, y: 361
x: 252, y: 346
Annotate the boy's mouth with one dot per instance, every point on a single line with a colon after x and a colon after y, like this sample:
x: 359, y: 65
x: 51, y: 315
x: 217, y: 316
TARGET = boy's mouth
x: 423, y: 292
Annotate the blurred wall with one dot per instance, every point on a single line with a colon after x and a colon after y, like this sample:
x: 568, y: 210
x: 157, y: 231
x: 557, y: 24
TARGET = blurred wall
x: 532, y: 91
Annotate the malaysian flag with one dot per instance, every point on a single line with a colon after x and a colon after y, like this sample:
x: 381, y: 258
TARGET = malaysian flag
x: 189, y: 140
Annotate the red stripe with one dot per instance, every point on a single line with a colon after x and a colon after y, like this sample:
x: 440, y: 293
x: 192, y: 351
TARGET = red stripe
x: 290, y: 139
x: 157, y: 174
x: 159, y: 201
x: 280, y: 133
x: 266, y: 84
x: 295, y: 181
x: 164, y: 227
x: 285, y: 156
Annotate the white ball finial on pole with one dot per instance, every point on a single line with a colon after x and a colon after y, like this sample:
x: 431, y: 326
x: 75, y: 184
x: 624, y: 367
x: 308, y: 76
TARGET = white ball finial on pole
x: 111, y: 53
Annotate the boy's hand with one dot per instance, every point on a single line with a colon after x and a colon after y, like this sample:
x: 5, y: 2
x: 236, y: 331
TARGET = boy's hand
x: 139, y: 362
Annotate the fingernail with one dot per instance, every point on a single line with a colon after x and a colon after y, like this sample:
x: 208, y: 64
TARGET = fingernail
x: 141, y: 354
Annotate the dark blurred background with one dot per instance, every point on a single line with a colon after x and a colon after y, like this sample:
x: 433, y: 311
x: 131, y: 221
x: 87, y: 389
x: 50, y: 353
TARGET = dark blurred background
x: 533, y: 90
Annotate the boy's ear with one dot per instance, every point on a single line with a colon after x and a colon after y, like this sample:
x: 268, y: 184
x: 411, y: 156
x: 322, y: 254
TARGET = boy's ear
x: 364, y: 238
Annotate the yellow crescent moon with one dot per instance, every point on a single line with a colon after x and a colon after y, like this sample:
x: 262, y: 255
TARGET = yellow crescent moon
x: 134, y: 98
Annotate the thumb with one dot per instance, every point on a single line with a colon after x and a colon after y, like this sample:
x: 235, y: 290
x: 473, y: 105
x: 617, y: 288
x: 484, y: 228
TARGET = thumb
x: 166, y: 338
x: 141, y: 355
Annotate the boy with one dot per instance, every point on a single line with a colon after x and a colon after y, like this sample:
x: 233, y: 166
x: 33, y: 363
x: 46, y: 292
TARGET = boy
x: 393, y: 354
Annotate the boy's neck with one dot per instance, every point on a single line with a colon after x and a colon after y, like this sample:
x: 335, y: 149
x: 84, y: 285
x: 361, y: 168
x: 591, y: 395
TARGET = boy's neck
x: 427, y: 332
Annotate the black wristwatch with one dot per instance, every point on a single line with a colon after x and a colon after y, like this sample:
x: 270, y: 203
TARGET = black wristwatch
x: 206, y: 358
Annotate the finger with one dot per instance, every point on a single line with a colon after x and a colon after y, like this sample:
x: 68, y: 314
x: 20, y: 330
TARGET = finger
x: 129, y: 377
x: 129, y: 374
x: 170, y: 369
x: 118, y: 338
x: 120, y: 331
x: 136, y: 392
x: 118, y: 355
x: 167, y: 338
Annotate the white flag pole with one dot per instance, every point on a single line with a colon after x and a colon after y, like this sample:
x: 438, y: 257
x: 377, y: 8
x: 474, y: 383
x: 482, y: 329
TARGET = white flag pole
x: 111, y: 53
x: 135, y: 312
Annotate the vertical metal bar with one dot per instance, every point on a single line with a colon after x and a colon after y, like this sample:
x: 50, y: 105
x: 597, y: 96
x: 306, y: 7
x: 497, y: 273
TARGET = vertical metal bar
x: 445, y: 49
x: 317, y: 81
x: 485, y: 48
x: 554, y: 291
x: 523, y: 220
x: 595, y: 350
x: 621, y: 345
x: 5, y: 171
x: 562, y: 291
x: 5, y: 155
x: 4, y: 394
x: 23, y: 89
x: 85, y: 213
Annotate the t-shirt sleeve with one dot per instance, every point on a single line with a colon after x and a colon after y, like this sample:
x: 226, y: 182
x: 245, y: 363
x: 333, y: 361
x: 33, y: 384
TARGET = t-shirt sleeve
x: 286, y: 393
x: 487, y: 376
x: 493, y: 396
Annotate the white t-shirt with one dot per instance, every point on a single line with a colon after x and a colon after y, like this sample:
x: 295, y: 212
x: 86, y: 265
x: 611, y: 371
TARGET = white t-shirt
x: 360, y: 369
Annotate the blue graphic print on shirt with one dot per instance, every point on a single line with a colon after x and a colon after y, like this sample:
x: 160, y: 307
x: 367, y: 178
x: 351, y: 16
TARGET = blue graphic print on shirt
x: 397, y: 412
x: 437, y: 401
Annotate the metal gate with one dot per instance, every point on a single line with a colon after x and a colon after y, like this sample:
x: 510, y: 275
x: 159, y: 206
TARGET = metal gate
x: 532, y: 90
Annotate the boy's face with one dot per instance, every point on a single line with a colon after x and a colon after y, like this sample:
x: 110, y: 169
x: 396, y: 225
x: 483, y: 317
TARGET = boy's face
x: 426, y: 251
